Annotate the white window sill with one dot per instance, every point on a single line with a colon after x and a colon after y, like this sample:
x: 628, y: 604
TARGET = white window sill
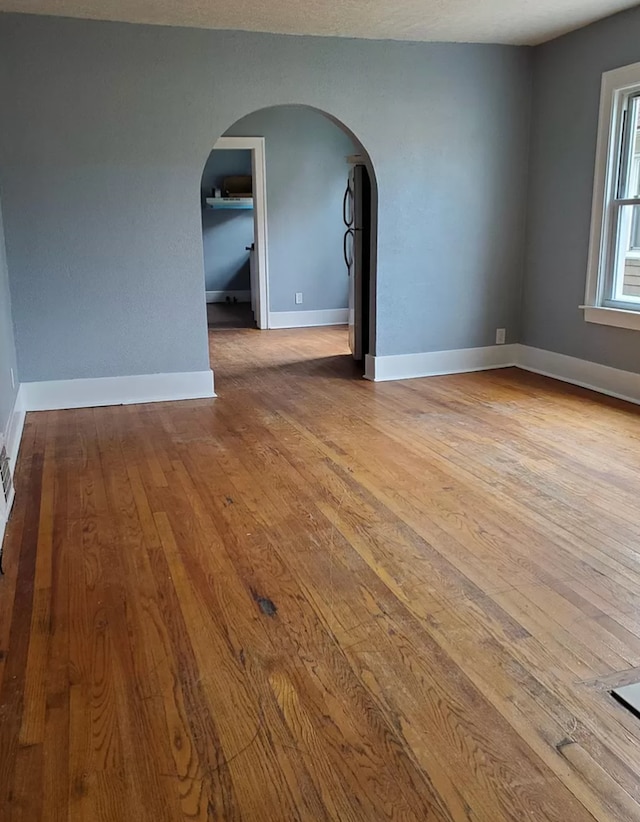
x: 618, y: 317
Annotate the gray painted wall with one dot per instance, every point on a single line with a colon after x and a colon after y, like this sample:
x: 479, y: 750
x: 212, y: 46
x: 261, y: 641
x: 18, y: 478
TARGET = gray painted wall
x: 7, y: 350
x: 103, y: 146
x: 566, y: 94
x: 226, y: 234
x: 306, y: 179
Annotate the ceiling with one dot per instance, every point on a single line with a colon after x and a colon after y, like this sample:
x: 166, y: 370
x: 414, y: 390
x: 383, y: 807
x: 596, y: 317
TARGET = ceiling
x: 521, y: 22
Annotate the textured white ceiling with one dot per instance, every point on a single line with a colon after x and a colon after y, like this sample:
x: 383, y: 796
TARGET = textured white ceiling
x: 526, y: 22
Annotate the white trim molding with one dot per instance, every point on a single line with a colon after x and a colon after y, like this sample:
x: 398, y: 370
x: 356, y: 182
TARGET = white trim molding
x: 618, y: 317
x: 12, y: 437
x: 231, y: 296
x: 617, y: 86
x: 260, y: 233
x: 434, y: 363
x: 624, y: 385
x: 613, y: 382
x: 307, y: 319
x: 90, y: 393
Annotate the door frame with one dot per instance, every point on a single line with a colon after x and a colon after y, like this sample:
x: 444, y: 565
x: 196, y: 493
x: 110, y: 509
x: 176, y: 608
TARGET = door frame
x: 256, y: 146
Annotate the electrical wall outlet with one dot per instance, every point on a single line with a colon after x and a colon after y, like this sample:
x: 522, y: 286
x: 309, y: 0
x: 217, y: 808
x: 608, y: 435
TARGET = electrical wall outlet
x: 298, y: 297
x: 501, y: 336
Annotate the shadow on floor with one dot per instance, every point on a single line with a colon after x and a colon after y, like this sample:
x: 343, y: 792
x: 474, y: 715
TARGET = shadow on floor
x: 337, y: 366
x: 229, y: 315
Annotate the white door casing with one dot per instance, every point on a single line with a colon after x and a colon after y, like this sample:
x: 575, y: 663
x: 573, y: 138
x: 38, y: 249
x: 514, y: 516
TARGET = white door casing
x: 260, y: 261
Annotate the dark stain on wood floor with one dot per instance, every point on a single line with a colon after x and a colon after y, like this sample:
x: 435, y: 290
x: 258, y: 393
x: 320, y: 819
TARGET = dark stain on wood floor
x: 266, y: 605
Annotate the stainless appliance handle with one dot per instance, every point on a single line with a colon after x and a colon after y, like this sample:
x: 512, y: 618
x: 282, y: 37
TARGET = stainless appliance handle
x: 348, y: 260
x: 348, y: 198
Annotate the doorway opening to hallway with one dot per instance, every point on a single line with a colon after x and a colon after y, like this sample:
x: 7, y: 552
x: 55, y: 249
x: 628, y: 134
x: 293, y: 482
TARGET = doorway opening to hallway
x: 289, y: 228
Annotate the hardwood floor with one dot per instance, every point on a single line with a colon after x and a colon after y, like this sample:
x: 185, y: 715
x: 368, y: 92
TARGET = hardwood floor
x: 318, y: 598
x: 229, y: 315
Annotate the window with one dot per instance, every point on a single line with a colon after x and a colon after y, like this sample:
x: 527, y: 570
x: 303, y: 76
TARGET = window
x: 613, y: 278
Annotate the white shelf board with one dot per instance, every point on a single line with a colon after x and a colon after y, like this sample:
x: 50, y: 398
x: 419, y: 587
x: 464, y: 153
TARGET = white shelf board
x: 229, y: 202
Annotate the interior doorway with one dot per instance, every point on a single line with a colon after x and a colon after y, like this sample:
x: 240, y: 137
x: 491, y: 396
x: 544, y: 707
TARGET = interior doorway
x: 234, y: 220
x: 310, y: 203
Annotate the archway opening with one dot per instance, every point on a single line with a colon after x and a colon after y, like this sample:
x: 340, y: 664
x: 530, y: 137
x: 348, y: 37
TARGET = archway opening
x: 289, y: 219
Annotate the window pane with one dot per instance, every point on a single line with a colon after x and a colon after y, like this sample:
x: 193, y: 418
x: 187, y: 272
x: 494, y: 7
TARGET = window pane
x: 626, y: 281
x: 634, y: 177
x: 630, y: 152
x: 634, y: 242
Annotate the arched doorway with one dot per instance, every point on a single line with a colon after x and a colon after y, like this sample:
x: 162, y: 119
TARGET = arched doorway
x: 310, y: 216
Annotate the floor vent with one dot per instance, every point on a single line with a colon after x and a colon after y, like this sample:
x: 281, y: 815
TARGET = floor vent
x: 5, y: 474
x: 629, y: 696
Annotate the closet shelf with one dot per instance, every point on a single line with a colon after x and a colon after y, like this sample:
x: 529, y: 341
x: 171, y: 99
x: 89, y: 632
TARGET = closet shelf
x: 228, y: 203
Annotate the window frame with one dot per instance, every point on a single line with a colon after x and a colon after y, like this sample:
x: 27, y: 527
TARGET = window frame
x: 617, y: 88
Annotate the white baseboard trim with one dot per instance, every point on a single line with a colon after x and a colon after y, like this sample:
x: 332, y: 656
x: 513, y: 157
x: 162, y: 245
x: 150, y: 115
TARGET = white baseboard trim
x: 306, y: 319
x: 89, y: 393
x: 434, y: 363
x: 624, y: 385
x: 12, y: 437
x: 221, y: 296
